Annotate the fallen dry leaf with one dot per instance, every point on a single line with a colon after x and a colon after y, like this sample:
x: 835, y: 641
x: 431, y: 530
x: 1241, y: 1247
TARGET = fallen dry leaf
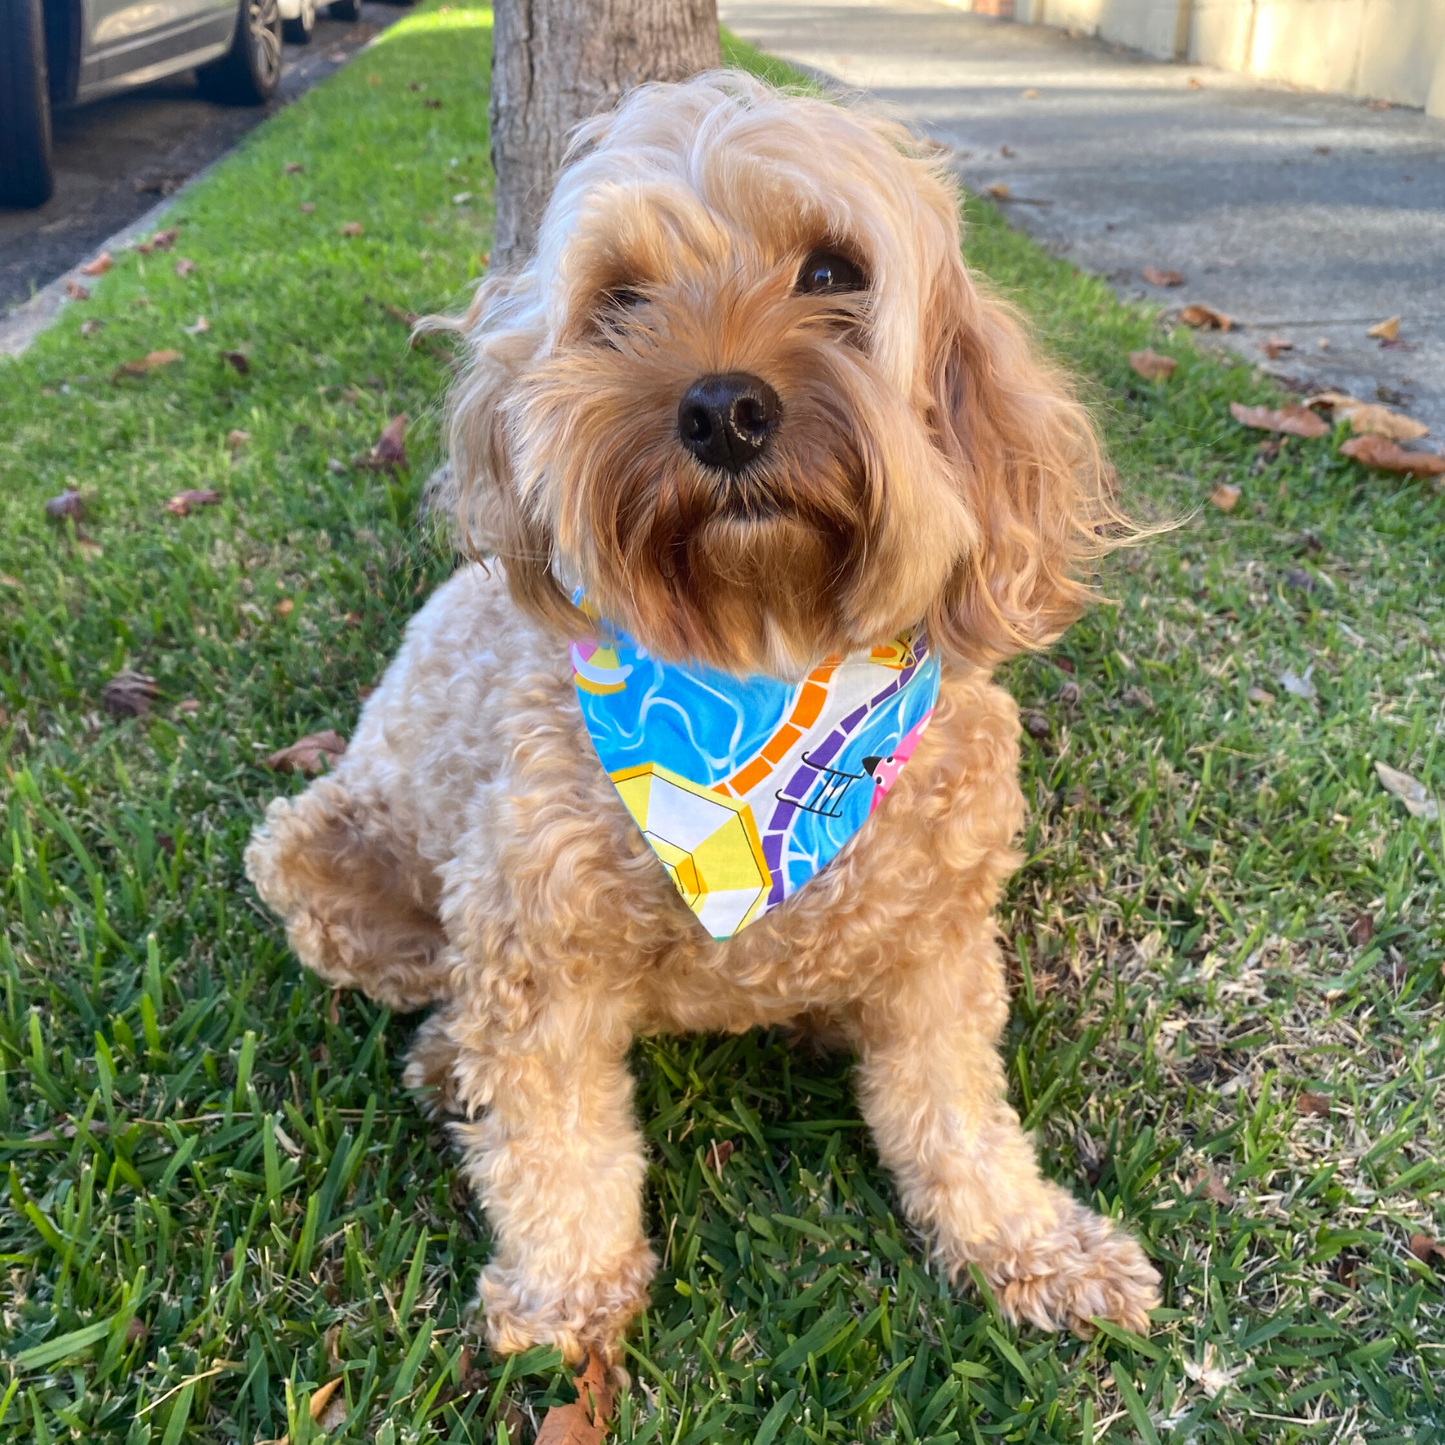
x: 1155, y: 277
x: 1362, y: 930
x: 1207, y: 1373
x: 389, y: 453
x: 1307, y: 1102
x: 322, y: 1396
x: 584, y: 1421
x: 1151, y: 366
x: 1210, y: 1186
x: 99, y: 266
x: 1381, y: 452
x: 1259, y: 695
x: 1225, y: 497
x: 1206, y: 317
x: 76, y: 291
x: 6, y: 580
x: 238, y: 360
x: 161, y: 241
x: 89, y: 328
x: 1274, y: 346
x: 68, y: 504
x: 311, y: 754
x: 180, y: 505
x: 184, y: 266
x: 140, y: 365
x: 351, y: 228
x: 237, y: 438
x: 1370, y: 420
x: 431, y: 104
x: 719, y: 1153
x: 292, y: 167
x: 189, y: 705
x: 1386, y: 330
x: 285, y: 607
x: 1293, y: 420
x: 1332, y: 399
x: 199, y: 329
x: 1425, y: 1249
x: 306, y: 207
x: 88, y: 549
x: 1410, y: 791
x: 999, y: 190
x: 129, y: 694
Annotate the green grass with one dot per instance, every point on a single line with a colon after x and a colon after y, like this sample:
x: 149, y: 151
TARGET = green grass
x: 219, y: 1197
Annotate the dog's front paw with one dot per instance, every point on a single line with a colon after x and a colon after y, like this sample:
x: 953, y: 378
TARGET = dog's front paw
x: 586, y: 1314
x: 1082, y: 1269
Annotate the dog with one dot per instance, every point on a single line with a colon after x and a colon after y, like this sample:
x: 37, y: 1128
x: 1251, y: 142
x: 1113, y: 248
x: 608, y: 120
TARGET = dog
x: 747, y: 408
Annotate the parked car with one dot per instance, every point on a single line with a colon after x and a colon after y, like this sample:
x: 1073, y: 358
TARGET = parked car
x: 62, y: 52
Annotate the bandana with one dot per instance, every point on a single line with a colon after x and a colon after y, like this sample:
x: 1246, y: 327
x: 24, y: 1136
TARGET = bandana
x: 745, y: 787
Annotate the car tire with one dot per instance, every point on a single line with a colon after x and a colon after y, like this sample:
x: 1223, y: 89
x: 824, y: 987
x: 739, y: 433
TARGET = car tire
x: 26, y: 177
x: 249, y: 72
x: 298, y: 31
x: 344, y: 9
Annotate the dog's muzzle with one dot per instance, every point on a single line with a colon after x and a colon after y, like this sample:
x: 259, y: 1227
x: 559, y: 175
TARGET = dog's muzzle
x: 728, y: 421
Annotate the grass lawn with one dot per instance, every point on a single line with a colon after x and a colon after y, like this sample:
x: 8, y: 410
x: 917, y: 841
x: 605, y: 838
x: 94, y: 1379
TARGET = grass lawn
x: 219, y: 1197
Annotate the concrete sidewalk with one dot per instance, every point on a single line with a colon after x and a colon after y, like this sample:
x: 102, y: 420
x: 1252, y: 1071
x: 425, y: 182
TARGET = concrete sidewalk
x: 1303, y: 216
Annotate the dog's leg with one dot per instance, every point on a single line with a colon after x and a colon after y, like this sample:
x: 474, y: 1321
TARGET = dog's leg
x: 932, y: 1089
x: 557, y: 1160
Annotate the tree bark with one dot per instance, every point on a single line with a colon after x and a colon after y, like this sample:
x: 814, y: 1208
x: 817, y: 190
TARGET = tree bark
x: 557, y: 62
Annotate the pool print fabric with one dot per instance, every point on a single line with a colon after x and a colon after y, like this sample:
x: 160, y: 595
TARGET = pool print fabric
x: 745, y: 787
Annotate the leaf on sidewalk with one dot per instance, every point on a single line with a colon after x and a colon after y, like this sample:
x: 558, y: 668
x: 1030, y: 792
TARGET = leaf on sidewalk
x: 1410, y: 791
x: 1274, y: 345
x: 389, y: 453
x: 129, y: 694
x: 99, y: 266
x: 314, y: 753
x: 1156, y: 277
x: 584, y: 1421
x: 1383, y: 454
x: 1151, y: 365
x: 1206, y: 317
x: 76, y: 291
x: 1386, y: 330
x: 1381, y: 421
x: 1292, y: 420
x: 181, y: 504
x: 999, y: 190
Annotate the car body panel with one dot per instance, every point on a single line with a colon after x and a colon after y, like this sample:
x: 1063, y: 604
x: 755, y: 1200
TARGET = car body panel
x: 126, y: 43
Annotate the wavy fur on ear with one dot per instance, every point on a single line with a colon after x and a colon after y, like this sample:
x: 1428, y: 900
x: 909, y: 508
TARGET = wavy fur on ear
x: 1031, y: 465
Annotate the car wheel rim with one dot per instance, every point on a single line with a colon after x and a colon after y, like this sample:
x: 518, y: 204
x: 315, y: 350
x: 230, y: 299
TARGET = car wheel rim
x: 264, y: 18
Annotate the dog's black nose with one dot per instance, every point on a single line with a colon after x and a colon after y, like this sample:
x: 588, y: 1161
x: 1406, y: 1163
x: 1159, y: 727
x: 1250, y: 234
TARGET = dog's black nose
x: 728, y: 421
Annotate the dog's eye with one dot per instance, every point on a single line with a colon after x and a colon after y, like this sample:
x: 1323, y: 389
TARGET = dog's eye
x: 826, y: 273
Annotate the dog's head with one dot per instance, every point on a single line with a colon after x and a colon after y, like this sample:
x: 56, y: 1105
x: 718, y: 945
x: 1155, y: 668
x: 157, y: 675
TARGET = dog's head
x: 748, y: 395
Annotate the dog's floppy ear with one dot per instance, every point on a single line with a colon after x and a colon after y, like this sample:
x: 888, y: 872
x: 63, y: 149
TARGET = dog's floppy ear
x: 503, y: 327
x: 1027, y: 457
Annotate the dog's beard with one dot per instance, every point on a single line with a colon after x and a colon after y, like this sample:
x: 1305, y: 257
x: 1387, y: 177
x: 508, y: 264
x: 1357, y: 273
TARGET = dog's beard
x: 747, y: 572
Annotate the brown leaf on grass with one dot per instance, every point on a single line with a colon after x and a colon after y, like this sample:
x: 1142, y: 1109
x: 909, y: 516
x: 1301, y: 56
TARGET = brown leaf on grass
x: 1208, y: 1185
x: 1155, y: 277
x: 389, y: 453
x: 199, y: 329
x: 1410, y: 791
x: 1381, y: 452
x: 1370, y: 420
x: 322, y: 1397
x: 129, y: 694
x: 1151, y: 365
x: 189, y: 705
x: 236, y: 439
x: 68, y: 504
x: 1259, y: 695
x: 1307, y: 1102
x: 431, y: 105
x: 1274, y: 346
x: 1426, y: 1249
x: 140, y: 365
x: 352, y: 228
x: 161, y: 241
x: 285, y: 607
x: 180, y: 505
x: 88, y: 549
x: 718, y: 1154
x: 293, y: 167
x: 99, y: 266
x: 89, y: 328
x: 238, y: 360
x: 1225, y: 497
x: 184, y: 266
x: 311, y: 754
x: 1362, y: 930
x: 999, y: 190
x: 306, y: 207
x: 76, y: 291
x: 1292, y: 420
x: 584, y: 1421
x: 1206, y: 317
x: 1386, y: 330
x: 6, y: 580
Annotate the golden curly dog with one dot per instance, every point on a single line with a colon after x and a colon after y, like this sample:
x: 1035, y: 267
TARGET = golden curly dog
x: 895, y: 451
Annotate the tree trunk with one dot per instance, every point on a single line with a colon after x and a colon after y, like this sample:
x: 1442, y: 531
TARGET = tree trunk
x: 557, y: 62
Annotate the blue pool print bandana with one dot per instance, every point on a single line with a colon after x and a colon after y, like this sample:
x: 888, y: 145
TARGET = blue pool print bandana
x: 745, y: 787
